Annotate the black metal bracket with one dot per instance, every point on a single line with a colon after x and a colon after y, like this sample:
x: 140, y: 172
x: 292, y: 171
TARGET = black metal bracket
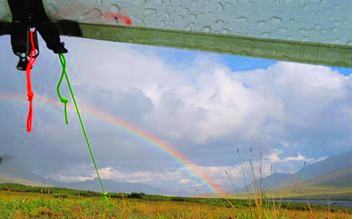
x: 28, y: 14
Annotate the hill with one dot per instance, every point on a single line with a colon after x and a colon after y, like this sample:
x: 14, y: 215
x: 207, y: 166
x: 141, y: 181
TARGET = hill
x: 110, y: 186
x: 339, y: 178
x: 334, y: 171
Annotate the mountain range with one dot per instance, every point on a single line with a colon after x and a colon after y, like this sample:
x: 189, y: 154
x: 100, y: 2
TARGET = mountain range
x: 334, y: 172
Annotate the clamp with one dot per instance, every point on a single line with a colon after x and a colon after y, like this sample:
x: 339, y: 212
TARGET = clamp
x: 27, y: 14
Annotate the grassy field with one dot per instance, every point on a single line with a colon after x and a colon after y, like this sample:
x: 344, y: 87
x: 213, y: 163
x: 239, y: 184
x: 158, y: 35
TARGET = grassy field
x: 29, y: 202
x: 321, y: 193
x: 311, y: 193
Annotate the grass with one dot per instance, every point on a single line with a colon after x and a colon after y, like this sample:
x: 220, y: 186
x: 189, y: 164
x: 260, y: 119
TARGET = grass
x: 29, y: 202
x: 262, y: 204
x: 19, y: 201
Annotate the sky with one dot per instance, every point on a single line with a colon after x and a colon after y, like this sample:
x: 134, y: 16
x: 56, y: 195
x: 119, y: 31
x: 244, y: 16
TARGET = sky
x: 203, y: 105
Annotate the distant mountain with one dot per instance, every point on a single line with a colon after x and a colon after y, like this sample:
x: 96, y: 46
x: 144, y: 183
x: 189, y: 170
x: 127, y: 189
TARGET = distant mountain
x: 10, y: 179
x: 276, y: 180
x: 333, y: 171
x: 327, y: 166
x: 9, y: 174
x: 338, y: 178
x: 110, y: 186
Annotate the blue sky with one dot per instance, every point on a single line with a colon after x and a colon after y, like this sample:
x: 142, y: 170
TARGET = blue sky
x: 234, y: 62
x: 195, y: 101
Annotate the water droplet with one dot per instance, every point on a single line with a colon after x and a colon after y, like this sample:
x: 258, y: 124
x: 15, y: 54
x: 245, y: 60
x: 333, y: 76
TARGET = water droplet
x: 334, y: 29
x: 93, y: 13
x: 261, y: 23
x: 139, y: 2
x: 241, y: 19
x: 307, y: 6
x: 168, y: 15
x: 282, y: 29
x: 150, y: 11
x: 114, y: 8
x: 323, y: 3
x: 302, y: 30
x: 159, y: 2
x: 190, y: 26
x: 318, y: 26
x: 324, y: 30
x: 140, y: 21
x: 219, y: 6
x: 225, y: 31
x: 193, y: 16
x: 336, y: 22
x: 162, y: 23
x: 290, y: 37
x: 275, y: 20
x: 219, y: 21
x: 206, y: 29
x: 305, y: 39
x: 185, y: 11
x: 265, y: 34
x: 290, y: 21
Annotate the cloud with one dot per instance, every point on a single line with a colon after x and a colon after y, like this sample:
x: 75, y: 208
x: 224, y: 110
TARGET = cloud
x: 165, y: 178
x: 184, y: 181
x: 274, y: 158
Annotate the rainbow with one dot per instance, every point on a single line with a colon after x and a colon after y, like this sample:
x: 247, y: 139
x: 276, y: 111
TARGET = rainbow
x: 135, y: 131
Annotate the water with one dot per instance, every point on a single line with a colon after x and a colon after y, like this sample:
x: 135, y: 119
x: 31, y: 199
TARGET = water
x: 347, y: 204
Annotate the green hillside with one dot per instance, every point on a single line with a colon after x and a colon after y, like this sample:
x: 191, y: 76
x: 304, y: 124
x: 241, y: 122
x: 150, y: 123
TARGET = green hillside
x: 327, y: 166
x: 334, y: 171
x: 341, y: 178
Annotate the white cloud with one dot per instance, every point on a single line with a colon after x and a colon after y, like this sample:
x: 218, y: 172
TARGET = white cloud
x: 204, y: 100
x: 184, y: 181
x: 274, y: 157
x: 70, y: 179
x: 139, y: 176
x: 167, y: 176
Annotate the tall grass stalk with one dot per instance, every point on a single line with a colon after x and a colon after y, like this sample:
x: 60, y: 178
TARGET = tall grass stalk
x: 235, y: 190
x: 295, y: 185
x: 125, y: 207
x: 243, y: 172
x: 261, y: 164
x: 257, y: 193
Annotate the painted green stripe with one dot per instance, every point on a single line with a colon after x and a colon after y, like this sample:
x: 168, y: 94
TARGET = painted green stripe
x: 304, y: 52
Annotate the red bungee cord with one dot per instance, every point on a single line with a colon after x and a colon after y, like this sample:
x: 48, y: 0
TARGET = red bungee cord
x: 31, y: 61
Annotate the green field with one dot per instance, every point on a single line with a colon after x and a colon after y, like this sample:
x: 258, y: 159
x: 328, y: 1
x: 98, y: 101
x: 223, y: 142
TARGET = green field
x: 308, y: 192
x: 18, y: 201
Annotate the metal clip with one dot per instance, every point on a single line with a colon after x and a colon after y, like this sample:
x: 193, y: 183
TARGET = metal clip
x: 24, y: 53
